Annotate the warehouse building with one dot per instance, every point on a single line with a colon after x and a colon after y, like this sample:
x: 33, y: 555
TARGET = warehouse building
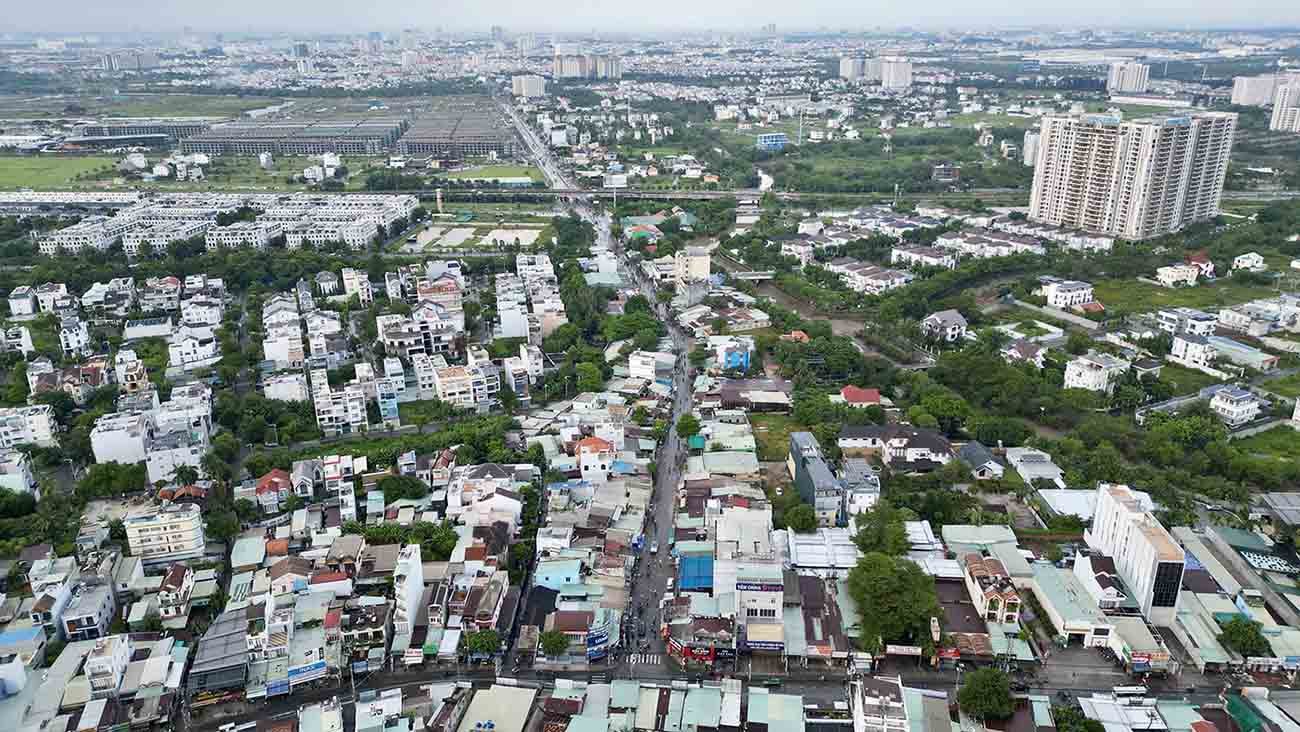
x: 368, y: 136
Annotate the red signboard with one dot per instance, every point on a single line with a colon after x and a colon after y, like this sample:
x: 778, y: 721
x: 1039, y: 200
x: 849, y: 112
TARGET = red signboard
x: 949, y: 653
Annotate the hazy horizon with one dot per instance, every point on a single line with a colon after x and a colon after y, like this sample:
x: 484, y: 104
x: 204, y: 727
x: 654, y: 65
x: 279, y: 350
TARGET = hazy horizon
x: 324, y: 16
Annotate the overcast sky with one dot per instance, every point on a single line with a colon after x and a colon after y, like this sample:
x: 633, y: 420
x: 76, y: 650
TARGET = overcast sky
x: 632, y: 16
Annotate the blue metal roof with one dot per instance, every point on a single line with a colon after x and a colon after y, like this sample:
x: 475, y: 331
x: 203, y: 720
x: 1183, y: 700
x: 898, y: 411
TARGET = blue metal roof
x: 695, y: 572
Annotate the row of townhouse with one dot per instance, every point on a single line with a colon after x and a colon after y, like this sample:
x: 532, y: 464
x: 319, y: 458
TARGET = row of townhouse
x: 243, y: 235
x: 982, y: 243
x: 154, y: 236
x: 918, y: 256
x: 50, y: 297
x: 1075, y: 240
x: 869, y: 278
x: 149, y: 226
x: 93, y: 233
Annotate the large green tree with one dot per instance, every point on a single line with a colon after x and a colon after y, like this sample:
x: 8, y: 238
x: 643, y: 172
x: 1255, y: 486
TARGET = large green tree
x: 986, y: 694
x: 882, y: 530
x: 896, y: 600
x: 801, y: 519
x: 688, y: 425
x: 1243, y: 635
x: 399, y: 487
x: 553, y: 643
x: 483, y: 642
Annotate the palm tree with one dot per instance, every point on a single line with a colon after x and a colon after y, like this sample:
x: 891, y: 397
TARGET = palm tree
x: 186, y: 475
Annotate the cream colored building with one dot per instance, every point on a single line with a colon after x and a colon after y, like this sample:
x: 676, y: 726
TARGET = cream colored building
x: 166, y: 534
x: 1133, y: 179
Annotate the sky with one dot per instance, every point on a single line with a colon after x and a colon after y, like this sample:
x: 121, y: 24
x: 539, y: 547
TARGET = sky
x: 630, y: 16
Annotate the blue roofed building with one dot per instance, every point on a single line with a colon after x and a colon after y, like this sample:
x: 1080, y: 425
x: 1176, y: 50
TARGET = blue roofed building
x: 771, y: 141
x: 695, y: 572
x: 555, y: 574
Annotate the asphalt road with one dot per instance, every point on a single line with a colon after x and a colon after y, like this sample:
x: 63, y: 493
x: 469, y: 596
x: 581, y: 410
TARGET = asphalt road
x: 652, y: 570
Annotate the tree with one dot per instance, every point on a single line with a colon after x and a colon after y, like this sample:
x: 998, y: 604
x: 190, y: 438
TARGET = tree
x: 1072, y: 719
x: 483, y: 642
x: 801, y: 519
x: 948, y: 409
x: 553, y: 643
x: 246, y: 510
x: 1078, y: 344
x: 589, y: 377
x: 223, y: 525
x: 117, y: 532
x: 1243, y: 636
x: 401, y: 487
x: 986, y: 694
x: 882, y: 530
x: 509, y: 400
x: 185, y: 475
x: 896, y: 600
x: 688, y: 425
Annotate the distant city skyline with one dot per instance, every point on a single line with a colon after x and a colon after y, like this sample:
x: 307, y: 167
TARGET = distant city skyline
x: 668, y: 15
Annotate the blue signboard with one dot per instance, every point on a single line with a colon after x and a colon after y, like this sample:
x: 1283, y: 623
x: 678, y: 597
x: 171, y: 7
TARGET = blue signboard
x: 303, y: 674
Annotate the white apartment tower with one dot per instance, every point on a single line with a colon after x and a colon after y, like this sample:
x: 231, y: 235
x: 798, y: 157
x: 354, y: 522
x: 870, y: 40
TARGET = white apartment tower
x: 528, y: 85
x: 1127, y: 77
x: 852, y: 69
x: 1257, y: 91
x: 1136, y: 179
x: 1286, y: 107
x: 1148, y: 560
x: 895, y: 73
x: 1029, y: 149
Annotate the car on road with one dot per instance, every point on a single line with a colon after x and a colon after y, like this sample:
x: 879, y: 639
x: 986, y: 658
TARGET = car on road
x: 654, y: 547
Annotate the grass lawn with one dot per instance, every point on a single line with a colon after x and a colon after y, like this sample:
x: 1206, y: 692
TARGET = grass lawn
x: 185, y: 105
x: 137, y: 105
x: 1288, y: 386
x: 48, y: 171
x: 433, y: 409
x: 244, y: 173
x: 498, y: 171
x: 1281, y: 442
x: 996, y: 120
x: 1124, y: 296
x: 1015, y: 315
x: 1030, y: 329
x: 1184, y: 380
x: 772, y: 433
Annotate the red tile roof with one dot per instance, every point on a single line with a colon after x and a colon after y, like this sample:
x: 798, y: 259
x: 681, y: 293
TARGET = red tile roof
x: 858, y: 395
x: 276, y: 481
x: 592, y: 444
x: 321, y: 578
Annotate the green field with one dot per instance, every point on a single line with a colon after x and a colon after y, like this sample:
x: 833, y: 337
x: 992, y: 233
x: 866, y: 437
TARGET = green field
x: 134, y: 105
x: 1287, y: 386
x: 48, y: 171
x: 498, y: 171
x: 1184, y: 380
x: 772, y: 433
x: 1281, y: 442
x: 995, y: 120
x: 1125, y: 296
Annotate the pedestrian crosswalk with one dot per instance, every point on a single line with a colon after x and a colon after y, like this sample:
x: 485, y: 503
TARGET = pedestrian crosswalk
x: 644, y: 658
